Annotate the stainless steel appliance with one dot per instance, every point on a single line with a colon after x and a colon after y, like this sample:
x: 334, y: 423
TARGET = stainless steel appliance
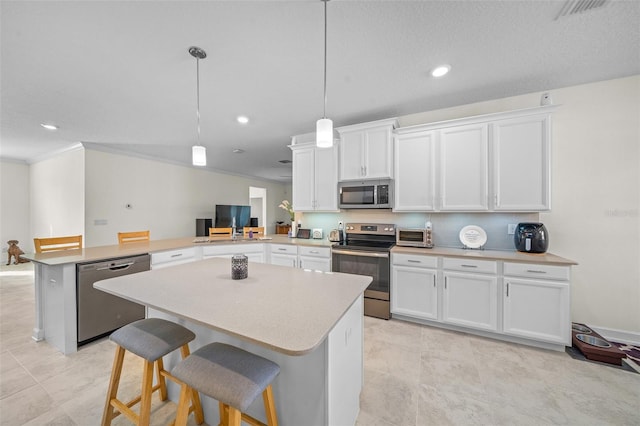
x: 414, y: 237
x: 368, y: 194
x: 99, y: 313
x: 531, y: 238
x: 366, y: 250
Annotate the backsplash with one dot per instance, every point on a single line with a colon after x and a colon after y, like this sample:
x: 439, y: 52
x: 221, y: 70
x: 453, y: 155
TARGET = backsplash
x: 446, y: 226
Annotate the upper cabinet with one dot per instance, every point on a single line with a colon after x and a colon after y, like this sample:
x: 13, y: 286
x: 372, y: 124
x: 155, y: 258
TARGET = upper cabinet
x: 366, y: 150
x: 315, y: 177
x: 495, y: 162
x: 464, y: 168
x: 521, y: 165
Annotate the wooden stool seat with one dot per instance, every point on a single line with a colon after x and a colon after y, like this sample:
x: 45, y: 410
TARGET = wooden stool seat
x: 150, y: 339
x: 230, y: 375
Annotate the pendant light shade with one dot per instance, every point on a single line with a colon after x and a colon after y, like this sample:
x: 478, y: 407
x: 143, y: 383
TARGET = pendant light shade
x: 199, y: 155
x: 324, y: 126
x: 198, y: 152
x: 324, y: 133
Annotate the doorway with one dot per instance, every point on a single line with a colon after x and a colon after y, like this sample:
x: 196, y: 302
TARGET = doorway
x: 258, y: 202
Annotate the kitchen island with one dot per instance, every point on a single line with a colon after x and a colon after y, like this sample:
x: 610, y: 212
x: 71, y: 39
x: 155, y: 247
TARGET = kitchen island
x: 309, y: 322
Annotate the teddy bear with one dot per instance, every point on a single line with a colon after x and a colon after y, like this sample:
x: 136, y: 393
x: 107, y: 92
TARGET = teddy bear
x: 15, y: 251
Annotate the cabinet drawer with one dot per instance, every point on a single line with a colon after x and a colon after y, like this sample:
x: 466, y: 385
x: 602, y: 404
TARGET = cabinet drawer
x: 314, y: 251
x: 232, y: 249
x: 284, y: 249
x: 470, y: 265
x: 173, y: 255
x: 533, y: 270
x: 414, y: 260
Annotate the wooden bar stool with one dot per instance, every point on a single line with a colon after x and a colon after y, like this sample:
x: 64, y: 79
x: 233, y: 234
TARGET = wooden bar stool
x: 151, y: 339
x: 231, y: 375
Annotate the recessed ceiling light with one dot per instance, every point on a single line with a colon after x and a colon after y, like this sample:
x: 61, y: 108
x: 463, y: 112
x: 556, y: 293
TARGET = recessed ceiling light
x: 238, y: 151
x: 441, y: 70
x: 49, y: 126
x: 242, y: 119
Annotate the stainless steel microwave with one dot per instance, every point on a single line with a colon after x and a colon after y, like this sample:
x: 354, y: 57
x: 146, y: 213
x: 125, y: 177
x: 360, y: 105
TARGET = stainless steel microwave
x: 368, y: 194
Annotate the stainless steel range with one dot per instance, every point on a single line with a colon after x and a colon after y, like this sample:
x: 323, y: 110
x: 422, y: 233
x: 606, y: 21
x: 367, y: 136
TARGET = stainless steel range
x: 366, y: 250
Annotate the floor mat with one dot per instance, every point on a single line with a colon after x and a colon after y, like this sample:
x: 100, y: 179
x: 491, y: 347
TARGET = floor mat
x: 633, y: 354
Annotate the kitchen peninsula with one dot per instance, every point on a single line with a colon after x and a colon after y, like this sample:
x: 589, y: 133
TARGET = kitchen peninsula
x: 308, y: 322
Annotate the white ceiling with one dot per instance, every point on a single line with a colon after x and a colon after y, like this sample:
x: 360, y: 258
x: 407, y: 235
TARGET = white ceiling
x: 118, y: 73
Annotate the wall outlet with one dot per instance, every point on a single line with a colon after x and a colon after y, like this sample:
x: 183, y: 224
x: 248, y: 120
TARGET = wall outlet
x: 511, y: 229
x: 340, y: 225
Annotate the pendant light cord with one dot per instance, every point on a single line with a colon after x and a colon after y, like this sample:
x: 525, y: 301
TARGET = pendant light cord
x: 324, y: 110
x: 198, y: 95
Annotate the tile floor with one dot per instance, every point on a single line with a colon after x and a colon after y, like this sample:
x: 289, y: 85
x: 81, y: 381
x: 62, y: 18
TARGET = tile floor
x: 414, y: 376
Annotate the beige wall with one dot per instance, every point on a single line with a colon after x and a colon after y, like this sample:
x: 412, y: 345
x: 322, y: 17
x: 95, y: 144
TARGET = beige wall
x: 57, y: 195
x: 14, y: 205
x: 595, y: 217
x: 165, y: 198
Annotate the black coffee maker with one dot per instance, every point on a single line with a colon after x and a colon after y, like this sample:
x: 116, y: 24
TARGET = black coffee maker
x: 531, y: 238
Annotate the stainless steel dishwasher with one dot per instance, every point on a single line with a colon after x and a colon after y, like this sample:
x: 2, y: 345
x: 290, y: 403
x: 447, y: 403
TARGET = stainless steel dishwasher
x: 99, y: 313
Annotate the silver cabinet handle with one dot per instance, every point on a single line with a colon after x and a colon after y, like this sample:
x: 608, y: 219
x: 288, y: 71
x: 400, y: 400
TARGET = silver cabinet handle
x: 445, y: 283
x: 414, y: 261
x: 314, y: 251
x: 176, y: 255
x: 533, y: 271
x: 434, y: 280
x: 507, y: 289
x: 282, y: 249
x: 469, y: 266
x: 115, y: 267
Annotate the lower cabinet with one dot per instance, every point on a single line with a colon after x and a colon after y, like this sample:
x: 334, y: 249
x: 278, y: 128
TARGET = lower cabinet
x: 174, y: 257
x: 470, y: 300
x: 521, y: 302
x: 305, y: 257
x: 536, y: 302
x: 414, y: 288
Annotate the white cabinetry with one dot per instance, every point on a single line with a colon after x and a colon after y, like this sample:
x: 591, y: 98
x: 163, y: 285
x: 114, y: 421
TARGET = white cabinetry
x: 174, y: 257
x: 366, y: 150
x: 536, y: 302
x: 253, y: 251
x: 497, y: 162
x: 314, y: 258
x: 414, y: 286
x: 464, y: 168
x: 521, y: 165
x: 470, y: 296
x: 305, y: 257
x: 415, y: 171
x: 315, y: 178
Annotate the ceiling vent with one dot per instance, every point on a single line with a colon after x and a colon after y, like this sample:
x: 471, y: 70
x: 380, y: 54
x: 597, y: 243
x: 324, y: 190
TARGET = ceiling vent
x: 573, y: 7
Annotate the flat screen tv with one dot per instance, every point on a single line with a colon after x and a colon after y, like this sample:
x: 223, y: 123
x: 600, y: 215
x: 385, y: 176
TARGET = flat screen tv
x: 226, y: 213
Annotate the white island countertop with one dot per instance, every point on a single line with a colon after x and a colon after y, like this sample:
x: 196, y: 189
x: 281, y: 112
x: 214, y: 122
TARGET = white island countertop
x: 284, y: 309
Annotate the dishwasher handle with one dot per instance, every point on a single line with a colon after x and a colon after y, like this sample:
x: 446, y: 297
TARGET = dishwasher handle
x: 115, y: 267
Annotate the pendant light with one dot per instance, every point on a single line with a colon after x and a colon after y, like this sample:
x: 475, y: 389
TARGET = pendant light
x: 198, y: 152
x: 324, y: 126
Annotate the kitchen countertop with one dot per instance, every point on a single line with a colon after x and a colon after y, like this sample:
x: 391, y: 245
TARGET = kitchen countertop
x: 285, y: 309
x: 505, y: 255
x: 90, y: 254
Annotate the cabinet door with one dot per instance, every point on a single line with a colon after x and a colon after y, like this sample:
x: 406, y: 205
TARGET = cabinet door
x: 326, y: 179
x: 378, y: 161
x: 521, y: 165
x: 414, y: 157
x: 352, y: 155
x: 303, y: 178
x: 414, y: 292
x: 284, y: 259
x: 470, y: 300
x: 537, y: 309
x: 315, y: 263
x: 464, y: 168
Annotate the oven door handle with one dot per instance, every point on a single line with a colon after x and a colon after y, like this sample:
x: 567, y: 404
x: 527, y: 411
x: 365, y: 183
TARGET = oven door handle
x: 360, y: 253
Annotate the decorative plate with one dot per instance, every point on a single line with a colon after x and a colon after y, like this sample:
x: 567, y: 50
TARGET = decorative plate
x: 473, y: 236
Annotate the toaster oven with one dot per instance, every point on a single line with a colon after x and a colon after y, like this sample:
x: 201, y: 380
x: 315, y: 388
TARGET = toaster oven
x: 414, y: 237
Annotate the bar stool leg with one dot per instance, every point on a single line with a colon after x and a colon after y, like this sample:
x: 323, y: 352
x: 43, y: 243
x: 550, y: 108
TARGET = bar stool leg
x: 269, y: 406
x: 145, y: 402
x: 235, y: 417
x: 224, y: 414
x: 183, y: 406
x: 118, y: 361
x: 162, y: 383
